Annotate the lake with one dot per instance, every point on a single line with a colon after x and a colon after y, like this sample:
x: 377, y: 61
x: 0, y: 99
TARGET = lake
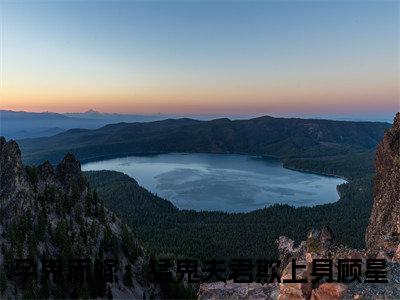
x: 223, y: 182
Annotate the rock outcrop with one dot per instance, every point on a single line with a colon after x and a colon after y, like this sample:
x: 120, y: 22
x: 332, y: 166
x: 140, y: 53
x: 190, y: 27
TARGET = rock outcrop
x: 383, y: 232
x: 14, y: 183
x: 320, y: 244
x: 51, y: 213
x: 231, y: 290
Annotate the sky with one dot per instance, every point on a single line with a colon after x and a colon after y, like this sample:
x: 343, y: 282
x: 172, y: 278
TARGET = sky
x: 201, y: 57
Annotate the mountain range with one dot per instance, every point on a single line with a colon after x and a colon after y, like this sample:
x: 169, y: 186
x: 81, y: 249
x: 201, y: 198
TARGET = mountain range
x: 297, y: 142
x: 21, y: 124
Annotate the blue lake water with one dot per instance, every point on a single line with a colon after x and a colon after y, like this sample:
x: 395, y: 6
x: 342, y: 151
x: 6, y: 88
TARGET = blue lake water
x: 232, y: 183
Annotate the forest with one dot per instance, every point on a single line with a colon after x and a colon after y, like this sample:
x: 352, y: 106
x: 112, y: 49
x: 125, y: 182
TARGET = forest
x: 335, y: 148
x: 164, y: 229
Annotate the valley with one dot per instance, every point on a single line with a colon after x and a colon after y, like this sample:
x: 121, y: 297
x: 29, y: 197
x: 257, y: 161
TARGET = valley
x: 165, y: 230
x: 339, y: 148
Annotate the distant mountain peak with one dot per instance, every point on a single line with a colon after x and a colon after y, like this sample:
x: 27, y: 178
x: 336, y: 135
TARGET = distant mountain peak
x: 92, y: 112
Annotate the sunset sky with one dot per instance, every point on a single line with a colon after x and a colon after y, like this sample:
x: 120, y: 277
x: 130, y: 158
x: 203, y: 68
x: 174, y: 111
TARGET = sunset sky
x: 201, y: 57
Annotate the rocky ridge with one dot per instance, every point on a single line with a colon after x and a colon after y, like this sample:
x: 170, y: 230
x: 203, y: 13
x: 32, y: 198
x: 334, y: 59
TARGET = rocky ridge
x: 48, y: 212
x: 383, y: 232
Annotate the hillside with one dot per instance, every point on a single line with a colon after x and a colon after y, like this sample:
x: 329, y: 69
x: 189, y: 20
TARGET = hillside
x: 51, y: 214
x: 296, y: 141
x: 164, y: 229
x: 382, y: 241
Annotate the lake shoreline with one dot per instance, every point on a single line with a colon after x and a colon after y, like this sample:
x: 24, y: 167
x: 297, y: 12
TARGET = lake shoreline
x: 227, y: 182
x: 284, y: 165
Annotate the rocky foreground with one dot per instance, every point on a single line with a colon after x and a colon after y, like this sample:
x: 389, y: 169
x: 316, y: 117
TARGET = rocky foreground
x: 382, y: 242
x: 319, y: 244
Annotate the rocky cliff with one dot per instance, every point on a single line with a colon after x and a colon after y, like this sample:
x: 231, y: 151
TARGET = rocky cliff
x: 383, y: 232
x: 51, y: 213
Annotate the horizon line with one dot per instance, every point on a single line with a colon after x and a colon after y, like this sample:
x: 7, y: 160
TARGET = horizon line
x: 361, y: 117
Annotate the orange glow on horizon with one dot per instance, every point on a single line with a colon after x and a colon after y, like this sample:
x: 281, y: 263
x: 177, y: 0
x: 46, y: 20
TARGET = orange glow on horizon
x: 200, y: 58
x: 210, y: 100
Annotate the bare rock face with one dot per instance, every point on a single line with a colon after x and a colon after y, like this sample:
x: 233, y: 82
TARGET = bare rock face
x: 396, y: 256
x: 15, y: 188
x: 231, y: 290
x: 329, y: 291
x: 66, y: 176
x: 68, y: 172
x: 13, y: 177
x: 46, y: 176
x: 383, y: 232
x: 319, y: 244
x: 285, y: 245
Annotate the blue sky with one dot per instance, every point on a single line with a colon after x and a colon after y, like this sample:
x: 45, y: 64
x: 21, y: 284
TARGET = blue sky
x: 201, y: 57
